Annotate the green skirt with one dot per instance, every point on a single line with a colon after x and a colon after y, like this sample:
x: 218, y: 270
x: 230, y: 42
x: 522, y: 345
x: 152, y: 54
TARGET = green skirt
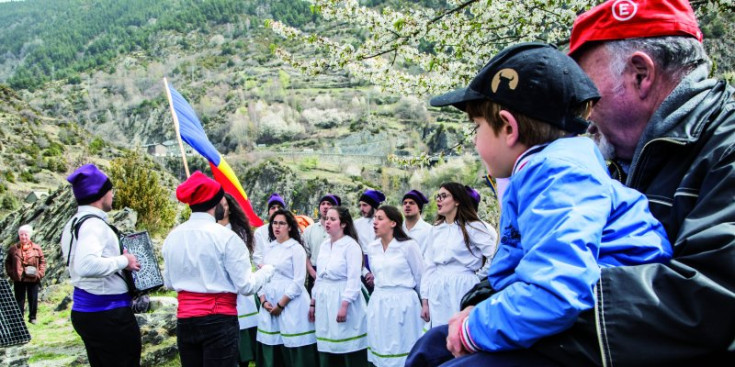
x: 247, y: 344
x: 278, y: 355
x: 352, y: 359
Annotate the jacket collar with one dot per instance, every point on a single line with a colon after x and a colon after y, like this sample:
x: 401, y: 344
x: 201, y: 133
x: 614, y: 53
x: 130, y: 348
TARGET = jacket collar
x: 676, y: 118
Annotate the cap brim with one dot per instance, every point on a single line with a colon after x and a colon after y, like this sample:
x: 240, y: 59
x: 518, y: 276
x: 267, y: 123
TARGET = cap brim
x: 457, y: 98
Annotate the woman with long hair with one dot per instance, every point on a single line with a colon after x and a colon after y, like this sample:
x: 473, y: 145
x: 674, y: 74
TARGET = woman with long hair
x: 286, y: 337
x: 459, y: 246
x: 394, y: 312
x: 235, y: 219
x: 338, y: 306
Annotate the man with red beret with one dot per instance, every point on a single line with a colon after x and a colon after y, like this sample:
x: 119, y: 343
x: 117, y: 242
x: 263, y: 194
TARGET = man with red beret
x: 101, y: 312
x: 208, y: 265
x: 670, y: 132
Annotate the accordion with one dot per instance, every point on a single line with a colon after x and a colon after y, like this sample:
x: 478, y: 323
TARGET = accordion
x: 149, y: 277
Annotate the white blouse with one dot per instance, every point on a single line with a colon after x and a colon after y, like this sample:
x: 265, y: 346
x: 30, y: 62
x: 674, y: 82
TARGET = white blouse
x: 203, y: 256
x: 400, y: 265
x: 446, y: 248
x: 262, y: 244
x: 365, y: 232
x: 341, y: 260
x: 289, y: 261
x: 420, y: 233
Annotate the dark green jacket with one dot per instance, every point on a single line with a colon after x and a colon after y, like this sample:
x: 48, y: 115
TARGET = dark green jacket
x: 681, y: 313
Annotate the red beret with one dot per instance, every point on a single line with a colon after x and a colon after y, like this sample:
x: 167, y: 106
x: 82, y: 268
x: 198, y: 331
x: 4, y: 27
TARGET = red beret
x: 623, y: 19
x: 200, y: 192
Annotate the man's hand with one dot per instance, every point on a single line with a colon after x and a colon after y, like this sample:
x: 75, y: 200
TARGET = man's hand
x: 454, y: 340
x: 133, y: 264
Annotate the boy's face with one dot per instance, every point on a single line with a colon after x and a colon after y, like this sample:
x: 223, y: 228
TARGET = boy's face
x: 493, y: 148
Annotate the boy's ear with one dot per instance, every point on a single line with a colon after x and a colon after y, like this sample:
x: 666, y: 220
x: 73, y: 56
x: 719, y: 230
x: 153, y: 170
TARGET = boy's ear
x: 510, y: 127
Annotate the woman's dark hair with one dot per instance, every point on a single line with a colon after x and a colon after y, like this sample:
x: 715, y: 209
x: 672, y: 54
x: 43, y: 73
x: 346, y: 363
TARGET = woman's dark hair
x: 239, y: 222
x: 345, y: 217
x: 293, y: 230
x: 466, y: 212
x: 395, y: 215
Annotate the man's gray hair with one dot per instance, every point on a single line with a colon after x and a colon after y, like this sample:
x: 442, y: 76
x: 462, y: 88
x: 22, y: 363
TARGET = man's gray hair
x: 673, y: 55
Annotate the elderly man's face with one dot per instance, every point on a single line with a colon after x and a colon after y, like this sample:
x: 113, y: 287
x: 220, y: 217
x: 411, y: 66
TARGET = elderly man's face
x: 619, y: 115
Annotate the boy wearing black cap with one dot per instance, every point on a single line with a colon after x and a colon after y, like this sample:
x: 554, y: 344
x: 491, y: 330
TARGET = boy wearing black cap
x: 563, y: 217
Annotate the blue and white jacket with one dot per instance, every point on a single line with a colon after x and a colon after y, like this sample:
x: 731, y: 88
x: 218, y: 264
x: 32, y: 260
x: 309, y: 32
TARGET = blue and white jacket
x: 563, y: 219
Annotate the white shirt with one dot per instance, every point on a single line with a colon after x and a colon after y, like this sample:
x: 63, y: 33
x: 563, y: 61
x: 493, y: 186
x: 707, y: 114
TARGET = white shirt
x: 289, y: 261
x: 419, y: 233
x: 202, y: 256
x: 446, y: 248
x: 400, y: 265
x: 96, y: 255
x: 341, y: 260
x: 314, y: 236
x: 365, y: 232
x: 262, y: 244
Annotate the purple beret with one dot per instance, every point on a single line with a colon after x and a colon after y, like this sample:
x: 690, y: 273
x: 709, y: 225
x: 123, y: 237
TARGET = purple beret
x: 89, y: 184
x: 474, y: 195
x: 334, y: 199
x: 418, y: 197
x: 276, y: 199
x: 372, y: 197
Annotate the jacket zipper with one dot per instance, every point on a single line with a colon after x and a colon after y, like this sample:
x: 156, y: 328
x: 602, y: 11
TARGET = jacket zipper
x: 633, y: 177
x: 599, y: 325
x: 599, y: 309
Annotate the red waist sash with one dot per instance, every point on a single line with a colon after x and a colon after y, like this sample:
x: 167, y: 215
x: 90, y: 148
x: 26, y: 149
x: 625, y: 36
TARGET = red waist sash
x: 202, y: 304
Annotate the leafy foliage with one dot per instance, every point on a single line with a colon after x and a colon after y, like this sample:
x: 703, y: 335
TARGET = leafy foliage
x: 58, y: 39
x: 139, y: 186
x: 427, y: 47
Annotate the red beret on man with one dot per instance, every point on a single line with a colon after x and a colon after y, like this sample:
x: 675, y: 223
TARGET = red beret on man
x: 200, y: 192
x: 624, y: 19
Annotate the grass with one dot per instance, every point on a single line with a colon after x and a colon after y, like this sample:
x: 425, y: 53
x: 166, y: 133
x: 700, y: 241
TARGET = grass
x: 53, y: 340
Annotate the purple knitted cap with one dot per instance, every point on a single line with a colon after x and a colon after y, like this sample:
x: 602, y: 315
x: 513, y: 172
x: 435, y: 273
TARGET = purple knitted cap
x: 418, y: 197
x: 474, y: 195
x: 334, y: 199
x: 89, y: 184
x: 373, y: 197
x: 276, y: 199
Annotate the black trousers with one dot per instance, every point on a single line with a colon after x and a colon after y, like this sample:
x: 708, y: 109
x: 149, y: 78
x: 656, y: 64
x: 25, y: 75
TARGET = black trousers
x: 431, y: 350
x: 208, y: 341
x: 112, y: 337
x: 21, y: 289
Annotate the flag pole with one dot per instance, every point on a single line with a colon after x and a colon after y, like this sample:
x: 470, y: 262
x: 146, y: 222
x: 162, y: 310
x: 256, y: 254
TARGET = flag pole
x: 176, y: 125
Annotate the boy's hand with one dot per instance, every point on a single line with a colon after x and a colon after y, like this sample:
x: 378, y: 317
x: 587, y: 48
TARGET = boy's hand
x: 454, y: 340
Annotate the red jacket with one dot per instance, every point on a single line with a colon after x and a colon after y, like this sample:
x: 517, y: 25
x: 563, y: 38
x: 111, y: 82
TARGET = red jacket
x: 18, y: 259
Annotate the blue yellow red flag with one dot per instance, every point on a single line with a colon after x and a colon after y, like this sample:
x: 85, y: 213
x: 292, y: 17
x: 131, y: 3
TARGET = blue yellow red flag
x: 192, y: 133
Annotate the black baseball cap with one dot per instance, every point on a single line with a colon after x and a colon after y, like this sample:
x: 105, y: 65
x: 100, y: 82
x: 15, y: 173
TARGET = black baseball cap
x: 532, y: 78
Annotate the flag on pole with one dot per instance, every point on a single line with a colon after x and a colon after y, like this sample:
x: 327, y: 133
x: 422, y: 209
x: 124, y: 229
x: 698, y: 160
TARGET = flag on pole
x: 192, y: 133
